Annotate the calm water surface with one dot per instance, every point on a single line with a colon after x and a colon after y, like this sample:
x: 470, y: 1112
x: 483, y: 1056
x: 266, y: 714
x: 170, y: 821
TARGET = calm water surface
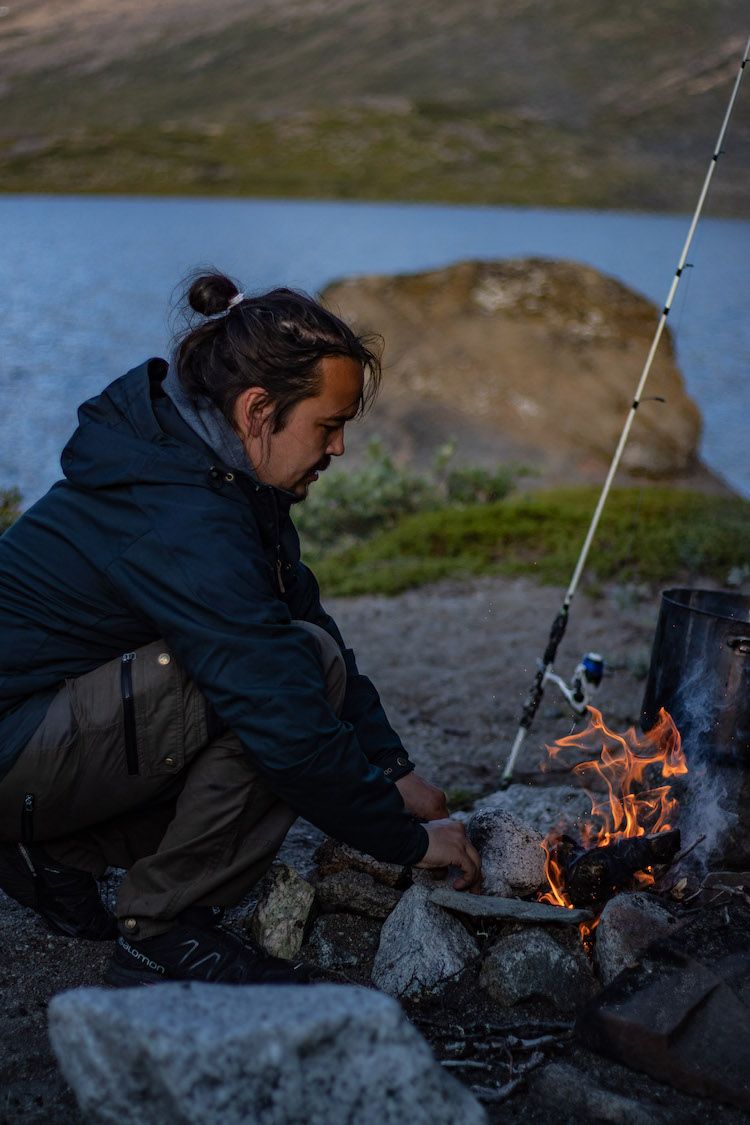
x: 87, y: 284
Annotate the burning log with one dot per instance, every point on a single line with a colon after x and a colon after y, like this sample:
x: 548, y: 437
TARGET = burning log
x: 594, y: 875
x: 631, y: 829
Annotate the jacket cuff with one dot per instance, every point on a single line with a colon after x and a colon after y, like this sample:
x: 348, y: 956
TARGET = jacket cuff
x: 421, y: 848
x: 396, y: 766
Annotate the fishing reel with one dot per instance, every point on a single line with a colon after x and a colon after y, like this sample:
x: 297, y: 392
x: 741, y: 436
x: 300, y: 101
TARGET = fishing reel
x: 586, y: 679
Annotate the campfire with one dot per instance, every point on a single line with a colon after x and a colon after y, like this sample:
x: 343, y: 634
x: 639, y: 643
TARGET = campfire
x: 631, y: 824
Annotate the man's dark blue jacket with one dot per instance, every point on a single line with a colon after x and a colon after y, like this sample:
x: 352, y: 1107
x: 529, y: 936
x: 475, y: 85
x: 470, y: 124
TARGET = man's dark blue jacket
x: 150, y: 537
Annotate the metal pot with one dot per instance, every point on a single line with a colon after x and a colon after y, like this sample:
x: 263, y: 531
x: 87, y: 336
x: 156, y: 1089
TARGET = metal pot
x: 700, y: 673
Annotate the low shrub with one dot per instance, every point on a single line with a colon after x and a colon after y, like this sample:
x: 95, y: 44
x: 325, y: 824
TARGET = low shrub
x: 348, y: 506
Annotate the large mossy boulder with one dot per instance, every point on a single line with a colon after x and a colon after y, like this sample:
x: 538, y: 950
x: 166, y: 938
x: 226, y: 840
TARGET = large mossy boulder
x: 526, y: 360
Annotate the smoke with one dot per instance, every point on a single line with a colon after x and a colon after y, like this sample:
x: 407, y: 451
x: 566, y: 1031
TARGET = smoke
x: 708, y: 792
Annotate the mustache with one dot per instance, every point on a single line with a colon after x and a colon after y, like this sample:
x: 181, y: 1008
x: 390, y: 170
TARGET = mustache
x: 322, y: 464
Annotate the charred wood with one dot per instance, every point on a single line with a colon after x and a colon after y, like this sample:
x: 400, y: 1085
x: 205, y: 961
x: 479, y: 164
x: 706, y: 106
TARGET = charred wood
x: 593, y: 876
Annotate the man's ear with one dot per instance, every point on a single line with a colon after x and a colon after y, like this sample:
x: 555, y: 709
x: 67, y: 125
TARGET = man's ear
x: 252, y: 409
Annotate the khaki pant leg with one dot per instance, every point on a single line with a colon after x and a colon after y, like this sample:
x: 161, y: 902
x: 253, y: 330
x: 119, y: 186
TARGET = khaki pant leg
x: 73, y: 788
x: 190, y: 819
x: 226, y: 831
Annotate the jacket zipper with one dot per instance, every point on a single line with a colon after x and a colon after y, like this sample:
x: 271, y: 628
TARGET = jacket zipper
x: 27, y: 819
x: 27, y: 837
x: 128, y: 712
x: 279, y: 579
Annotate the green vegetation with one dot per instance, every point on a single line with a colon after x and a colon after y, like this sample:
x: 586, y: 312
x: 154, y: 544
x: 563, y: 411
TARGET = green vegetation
x: 383, y: 530
x: 460, y: 798
x: 347, y: 507
x: 657, y: 537
x: 10, y: 499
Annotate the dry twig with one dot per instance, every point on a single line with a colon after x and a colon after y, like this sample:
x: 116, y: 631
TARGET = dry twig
x: 685, y: 851
x: 465, y: 1064
x: 496, y: 1093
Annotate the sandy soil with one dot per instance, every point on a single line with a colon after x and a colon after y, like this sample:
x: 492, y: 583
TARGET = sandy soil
x: 453, y: 663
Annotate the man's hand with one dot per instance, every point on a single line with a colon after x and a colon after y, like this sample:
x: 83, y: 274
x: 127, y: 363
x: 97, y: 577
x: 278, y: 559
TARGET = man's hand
x: 450, y: 847
x: 422, y: 798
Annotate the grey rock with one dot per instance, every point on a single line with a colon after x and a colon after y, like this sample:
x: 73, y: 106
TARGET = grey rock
x: 628, y: 924
x: 333, y: 856
x: 357, y: 893
x: 532, y: 964
x: 260, y: 1055
x: 512, y: 854
x: 542, y: 807
x: 285, y: 899
x: 299, y: 845
x: 421, y: 946
x: 585, y: 1100
x: 510, y: 909
x: 342, y: 939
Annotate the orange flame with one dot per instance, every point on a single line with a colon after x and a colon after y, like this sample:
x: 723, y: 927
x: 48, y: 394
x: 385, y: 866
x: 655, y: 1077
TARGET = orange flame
x: 620, y: 808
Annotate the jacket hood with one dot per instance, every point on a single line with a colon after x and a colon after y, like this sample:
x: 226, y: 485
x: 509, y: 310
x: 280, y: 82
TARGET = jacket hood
x: 132, y: 433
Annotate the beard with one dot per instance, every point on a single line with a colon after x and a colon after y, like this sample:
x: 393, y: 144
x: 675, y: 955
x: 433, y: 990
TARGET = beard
x: 304, y: 483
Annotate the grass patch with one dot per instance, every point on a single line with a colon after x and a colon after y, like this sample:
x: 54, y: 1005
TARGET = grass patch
x: 658, y: 537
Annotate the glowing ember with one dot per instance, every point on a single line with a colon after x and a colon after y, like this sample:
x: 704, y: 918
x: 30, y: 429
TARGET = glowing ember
x: 613, y: 781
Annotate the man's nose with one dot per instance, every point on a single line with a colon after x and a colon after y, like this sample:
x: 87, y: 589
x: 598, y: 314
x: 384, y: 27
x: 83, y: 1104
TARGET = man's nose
x: 335, y: 445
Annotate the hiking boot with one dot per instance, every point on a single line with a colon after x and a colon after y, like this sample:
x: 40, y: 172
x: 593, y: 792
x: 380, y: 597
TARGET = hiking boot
x: 189, y: 952
x: 68, y: 899
x: 204, y: 917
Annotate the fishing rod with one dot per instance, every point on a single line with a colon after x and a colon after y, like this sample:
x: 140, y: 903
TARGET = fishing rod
x: 589, y: 672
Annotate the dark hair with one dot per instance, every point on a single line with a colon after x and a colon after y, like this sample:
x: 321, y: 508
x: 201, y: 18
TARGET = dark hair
x: 275, y: 341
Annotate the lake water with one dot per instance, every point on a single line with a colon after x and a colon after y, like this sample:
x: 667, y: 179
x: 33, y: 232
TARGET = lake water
x: 87, y: 283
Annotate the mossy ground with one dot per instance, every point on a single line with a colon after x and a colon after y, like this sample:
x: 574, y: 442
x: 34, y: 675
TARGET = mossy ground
x: 655, y: 536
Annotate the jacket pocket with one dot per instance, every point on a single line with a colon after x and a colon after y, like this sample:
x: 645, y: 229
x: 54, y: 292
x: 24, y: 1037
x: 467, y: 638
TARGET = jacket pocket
x: 130, y: 731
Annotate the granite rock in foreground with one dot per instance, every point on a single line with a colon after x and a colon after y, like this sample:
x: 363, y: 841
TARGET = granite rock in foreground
x: 250, y: 1055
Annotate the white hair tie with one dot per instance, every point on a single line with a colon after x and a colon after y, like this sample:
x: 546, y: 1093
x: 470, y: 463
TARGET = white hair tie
x: 235, y: 300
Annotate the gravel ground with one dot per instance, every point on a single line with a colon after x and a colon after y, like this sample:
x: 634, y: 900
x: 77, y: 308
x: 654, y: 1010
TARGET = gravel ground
x: 453, y: 663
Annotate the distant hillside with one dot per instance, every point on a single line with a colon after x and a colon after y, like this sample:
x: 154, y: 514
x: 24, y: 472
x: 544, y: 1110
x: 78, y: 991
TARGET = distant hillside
x: 568, y: 102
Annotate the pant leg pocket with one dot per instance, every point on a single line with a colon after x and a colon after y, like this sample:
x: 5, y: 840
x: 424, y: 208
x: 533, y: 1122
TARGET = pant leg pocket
x: 154, y: 714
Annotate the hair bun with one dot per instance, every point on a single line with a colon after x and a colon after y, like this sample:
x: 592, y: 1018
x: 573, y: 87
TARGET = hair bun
x: 211, y: 293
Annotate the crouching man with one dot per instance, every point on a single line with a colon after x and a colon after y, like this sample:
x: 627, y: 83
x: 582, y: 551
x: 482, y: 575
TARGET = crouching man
x: 172, y: 693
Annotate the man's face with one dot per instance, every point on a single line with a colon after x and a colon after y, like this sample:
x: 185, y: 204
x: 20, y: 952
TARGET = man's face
x: 314, y: 430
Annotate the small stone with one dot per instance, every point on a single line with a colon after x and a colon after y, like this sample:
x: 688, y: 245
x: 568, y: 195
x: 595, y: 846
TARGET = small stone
x: 277, y: 925
x: 531, y: 965
x: 513, y: 858
x: 333, y: 856
x: 342, y: 939
x: 421, y: 947
x: 627, y: 926
x: 357, y: 893
x: 560, y: 1084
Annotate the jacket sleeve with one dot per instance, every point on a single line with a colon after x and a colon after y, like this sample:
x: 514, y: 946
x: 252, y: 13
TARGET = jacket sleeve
x: 212, y: 597
x: 362, y: 706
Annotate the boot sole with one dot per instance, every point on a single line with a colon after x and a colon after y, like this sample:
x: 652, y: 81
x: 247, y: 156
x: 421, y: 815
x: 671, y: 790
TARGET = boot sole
x: 117, y: 976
